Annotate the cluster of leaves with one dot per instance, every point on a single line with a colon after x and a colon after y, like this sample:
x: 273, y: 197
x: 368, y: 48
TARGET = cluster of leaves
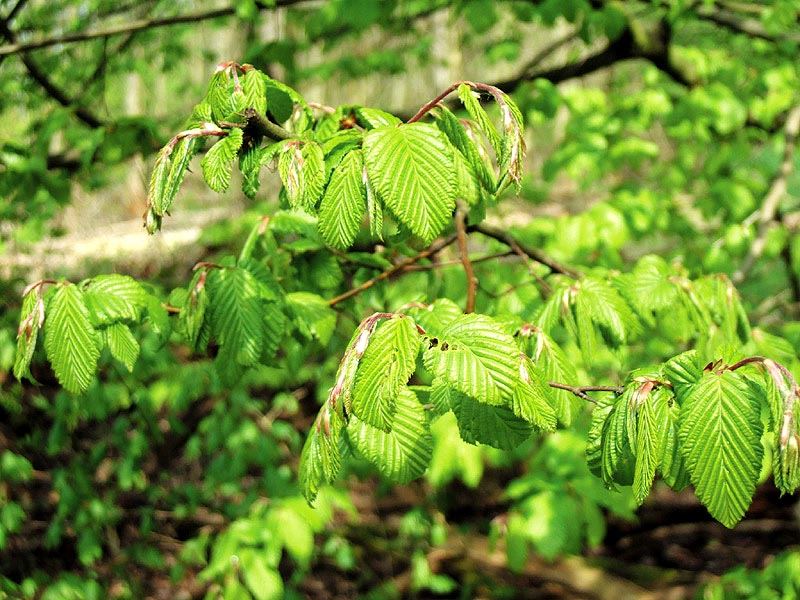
x: 779, y: 579
x: 352, y: 164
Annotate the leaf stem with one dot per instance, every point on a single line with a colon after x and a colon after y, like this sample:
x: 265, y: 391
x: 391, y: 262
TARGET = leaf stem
x: 463, y: 248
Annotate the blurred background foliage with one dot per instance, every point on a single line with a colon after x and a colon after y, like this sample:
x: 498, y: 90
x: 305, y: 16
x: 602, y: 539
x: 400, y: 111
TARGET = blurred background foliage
x: 654, y: 127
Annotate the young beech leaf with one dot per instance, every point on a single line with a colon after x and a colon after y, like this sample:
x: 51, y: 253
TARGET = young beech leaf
x: 217, y: 164
x: 343, y: 205
x: 470, y: 100
x: 113, y: 298
x: 69, y: 339
x: 403, y: 453
x: 531, y: 398
x: 122, y: 345
x: 313, y: 176
x: 374, y: 118
x: 384, y: 370
x: 474, y: 355
x: 193, y: 312
x: 30, y: 321
x: 321, y: 457
x: 412, y: 169
x: 554, y: 365
x: 481, y: 423
x: 255, y: 91
x: 236, y: 314
x: 720, y: 434
x: 455, y: 132
x: 649, y: 414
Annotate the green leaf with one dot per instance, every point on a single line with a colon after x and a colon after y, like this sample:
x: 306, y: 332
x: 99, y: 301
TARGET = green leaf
x: 321, y: 458
x: 384, y: 370
x: 683, y: 372
x: 403, y: 453
x: 412, y: 169
x: 122, y: 345
x: 313, y: 174
x: 455, y: 132
x: 217, y: 164
x: 480, y: 423
x: 312, y: 315
x: 69, y: 339
x: 263, y: 581
x: 255, y: 91
x: 530, y: 399
x: 250, y: 167
x: 720, y: 433
x: 555, y: 365
x: 616, y: 461
x: 236, y: 319
x: 475, y: 356
x: 374, y: 118
x: 30, y: 321
x: 650, y: 414
x: 470, y: 100
x: 113, y: 298
x: 343, y: 206
x: 374, y: 209
x: 435, y: 317
x: 158, y: 192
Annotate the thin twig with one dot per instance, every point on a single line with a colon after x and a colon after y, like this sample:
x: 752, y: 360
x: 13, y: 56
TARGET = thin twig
x: 770, y: 208
x: 138, y: 25
x: 581, y: 391
x: 394, y: 270
x: 537, y: 255
x: 463, y: 249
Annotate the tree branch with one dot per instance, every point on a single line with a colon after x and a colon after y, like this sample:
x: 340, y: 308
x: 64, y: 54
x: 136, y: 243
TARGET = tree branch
x: 770, y: 207
x: 463, y: 249
x: 394, y: 270
x: 537, y: 255
x: 138, y: 25
x: 581, y: 391
x: 750, y: 27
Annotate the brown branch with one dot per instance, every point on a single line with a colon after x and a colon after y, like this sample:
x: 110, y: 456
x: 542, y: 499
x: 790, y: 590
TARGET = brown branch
x: 770, y: 207
x: 394, y: 270
x: 581, y: 391
x: 463, y: 249
x: 138, y: 25
x: 264, y: 126
x: 749, y: 27
x: 537, y: 255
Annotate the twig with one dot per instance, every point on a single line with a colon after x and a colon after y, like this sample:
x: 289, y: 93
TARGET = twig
x: 770, y: 208
x: 394, y: 270
x: 537, y: 255
x: 450, y: 263
x: 463, y: 249
x: 581, y: 391
x: 139, y: 25
x: 265, y: 126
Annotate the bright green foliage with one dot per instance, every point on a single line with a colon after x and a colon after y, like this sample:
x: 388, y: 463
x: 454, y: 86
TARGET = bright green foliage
x: 384, y: 371
x: 649, y: 436
x: 122, y: 345
x: 720, y: 432
x: 475, y: 357
x: 411, y: 168
x: 69, y: 339
x: 402, y: 453
x: 113, y: 298
x: 217, y: 164
x: 344, y: 203
x: 30, y: 321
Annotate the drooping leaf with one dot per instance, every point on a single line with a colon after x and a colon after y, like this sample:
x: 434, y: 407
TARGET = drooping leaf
x: 321, y: 457
x: 474, y: 355
x: 403, y: 453
x: 412, y: 169
x: 384, y: 370
x: 217, y: 164
x: 720, y: 434
x: 112, y: 298
x: 481, y: 423
x: 530, y: 399
x: 122, y: 345
x: 470, y: 100
x: 650, y: 415
x: 69, y: 339
x: 236, y: 314
x: 344, y: 204
x: 30, y: 321
x: 312, y: 315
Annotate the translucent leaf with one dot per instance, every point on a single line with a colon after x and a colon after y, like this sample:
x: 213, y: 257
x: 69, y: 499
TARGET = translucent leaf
x: 475, y: 356
x: 452, y: 128
x: 122, y: 345
x: 112, y: 298
x: 683, y: 371
x: 69, y: 339
x: 343, y: 206
x: 720, y: 433
x: 554, y: 365
x: 470, y: 100
x: 313, y: 175
x: 193, y: 312
x: 374, y: 209
x: 403, y: 453
x: 412, y: 169
x: 250, y: 167
x: 374, y: 118
x: 217, y: 164
x: 384, y: 370
x: 435, y: 317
